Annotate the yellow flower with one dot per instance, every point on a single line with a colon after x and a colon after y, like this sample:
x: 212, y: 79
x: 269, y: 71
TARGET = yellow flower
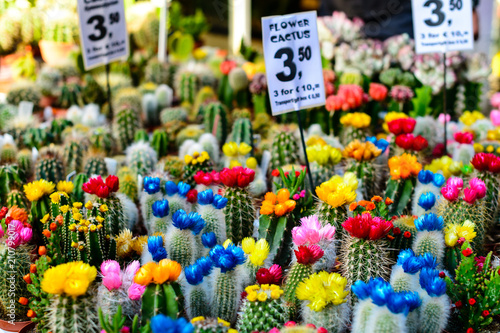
x: 251, y: 163
x: 36, y: 190
x: 356, y: 119
x: 66, y: 187
x: 88, y: 205
x: 490, y: 149
x: 453, y: 232
x: 248, y: 245
x: 199, y: 54
x: 275, y: 294
x: 77, y: 205
x: 45, y: 218
x: 244, y: 148
x: 260, y: 252
x: 77, y: 216
x: 64, y: 209
x: 226, y: 243
x: 469, y: 118
x: 199, y: 318
x: 188, y: 159
x: 103, y: 208
x: 252, y: 297
x: 321, y: 289
x: 251, y: 288
x: 55, y: 198
x: 262, y: 296
x: 71, y: 278
x: 478, y: 148
x: 234, y: 163
x: 99, y: 219
x: 264, y: 286
x: 223, y: 322
x: 230, y: 149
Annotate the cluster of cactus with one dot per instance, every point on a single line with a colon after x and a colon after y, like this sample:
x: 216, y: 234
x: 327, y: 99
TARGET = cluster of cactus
x: 27, y: 92
x: 215, y: 120
x: 160, y: 142
x: 95, y: 165
x: 50, y: 166
x: 159, y: 72
x: 102, y: 140
x: 73, y: 155
x: 177, y: 113
x: 187, y: 85
x: 141, y: 158
x: 180, y: 238
x: 126, y: 123
x: 242, y: 131
x: 284, y: 150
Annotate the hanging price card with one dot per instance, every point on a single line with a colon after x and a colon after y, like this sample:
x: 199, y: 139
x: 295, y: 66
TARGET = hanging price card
x: 103, y: 31
x: 293, y: 62
x: 442, y: 25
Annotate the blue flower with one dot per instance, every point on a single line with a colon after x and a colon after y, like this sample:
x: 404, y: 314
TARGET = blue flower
x: 413, y: 300
x: 160, y: 208
x: 438, y: 180
x: 180, y: 220
x: 219, y: 201
x: 171, y: 188
x: 205, y: 264
x: 206, y: 197
x: 427, y: 200
x: 183, y: 189
x: 151, y: 184
x: 163, y: 324
x: 193, y: 274
x: 412, y: 265
x: 397, y: 303
x: 404, y: 255
x: 428, y: 260
x: 431, y: 282
x: 227, y: 259
x: 381, y: 144
x: 155, y: 247
x: 361, y: 289
x: 197, y: 223
x: 209, y: 240
x: 380, y: 291
x: 429, y: 222
x: 425, y: 176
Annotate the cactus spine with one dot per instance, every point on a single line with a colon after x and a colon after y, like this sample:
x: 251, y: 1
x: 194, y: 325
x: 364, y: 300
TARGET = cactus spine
x: 404, y: 232
x: 163, y: 298
x: 187, y: 86
x: 50, y: 167
x: 141, y: 158
x: 239, y: 212
x: 126, y: 123
x: 160, y: 142
x: 215, y: 120
x: 180, y: 239
x: 72, y: 315
x: 242, y: 131
x: 95, y: 165
x: 284, y: 150
x: 25, y: 162
x: 73, y: 156
x: 226, y: 294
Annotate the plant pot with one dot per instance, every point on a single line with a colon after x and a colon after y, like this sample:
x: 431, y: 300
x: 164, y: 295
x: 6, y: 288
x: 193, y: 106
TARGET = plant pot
x: 53, y: 53
x: 20, y: 327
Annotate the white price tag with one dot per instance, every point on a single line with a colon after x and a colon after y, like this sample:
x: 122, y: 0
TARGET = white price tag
x: 293, y: 62
x: 442, y: 25
x: 103, y: 31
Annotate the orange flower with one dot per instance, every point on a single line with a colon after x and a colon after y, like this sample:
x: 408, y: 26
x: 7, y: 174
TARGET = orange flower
x: 370, y: 206
x: 31, y: 314
x: 174, y: 269
x: 353, y: 206
x: 42, y: 250
x: 53, y: 226
x: 363, y: 203
x: 361, y: 151
x: 19, y: 214
x: 161, y: 273
x: 27, y: 278
x: 404, y: 166
x: 46, y: 233
x: 144, y: 275
x: 283, y: 195
x: 280, y: 209
x: 388, y: 201
x: 267, y: 208
x: 290, y: 205
x: 377, y: 198
x: 59, y: 219
x: 33, y: 268
x: 271, y: 197
x: 23, y: 300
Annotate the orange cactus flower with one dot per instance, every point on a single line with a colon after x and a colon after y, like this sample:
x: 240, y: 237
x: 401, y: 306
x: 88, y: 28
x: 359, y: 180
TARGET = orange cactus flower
x: 290, y: 205
x: 53, y: 226
x: 144, y: 275
x: 404, y: 166
x: 31, y: 314
x: 353, y: 206
x: 271, y: 197
x: 377, y: 198
x: 60, y: 219
x: 33, y: 268
x: 174, y: 268
x: 363, y: 203
x: 27, y: 279
x: 388, y: 201
x: 42, y: 250
x: 283, y: 195
x: 370, y: 206
x: 19, y: 214
x: 23, y: 300
x: 46, y: 233
x: 280, y: 209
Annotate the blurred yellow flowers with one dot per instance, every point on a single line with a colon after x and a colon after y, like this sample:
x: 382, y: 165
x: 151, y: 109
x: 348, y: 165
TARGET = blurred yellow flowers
x: 361, y: 151
x: 324, y: 154
x: 322, y: 289
x: 356, y: 119
x: 338, y: 191
x: 263, y: 292
x: 196, y: 158
x: 72, y: 279
x: 257, y: 251
x: 36, y: 190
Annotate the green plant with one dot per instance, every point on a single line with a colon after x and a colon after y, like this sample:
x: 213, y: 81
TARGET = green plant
x: 73, y: 155
x: 141, y: 158
x: 95, y: 165
x: 160, y: 142
x: 421, y: 102
x: 126, y: 123
x: 50, y: 166
x: 215, y: 120
x: 23, y: 91
x: 116, y: 323
x: 284, y: 150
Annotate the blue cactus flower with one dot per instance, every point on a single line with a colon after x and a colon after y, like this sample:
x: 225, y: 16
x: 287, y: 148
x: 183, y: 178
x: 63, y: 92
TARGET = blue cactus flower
x: 227, y: 259
x: 397, y: 303
x: 380, y: 291
x: 404, y: 255
x: 381, y: 144
x: 183, y: 189
x: 197, y: 223
x: 163, y: 324
x: 194, y: 275
x: 427, y: 200
x: 429, y: 222
x: 413, y: 300
x: 425, y: 176
x: 428, y: 260
x: 206, y: 197
x: 219, y: 201
x: 438, y: 180
x: 151, y: 185
x: 431, y: 282
x: 160, y: 208
x: 155, y: 247
x: 180, y: 219
x: 412, y: 265
x: 361, y: 289
x: 205, y: 264
x: 171, y: 188
x: 209, y: 240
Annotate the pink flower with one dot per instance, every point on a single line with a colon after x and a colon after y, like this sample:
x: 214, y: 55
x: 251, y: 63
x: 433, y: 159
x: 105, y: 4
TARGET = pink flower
x: 495, y: 117
x: 112, y: 281
x: 13, y: 240
x: 274, y: 330
x: 26, y: 235
x: 470, y: 196
x: 455, y: 182
x: 15, y: 226
x: 130, y: 271
x: 441, y: 118
x: 495, y: 100
x: 478, y: 185
x: 110, y: 266
x: 311, y: 231
x: 135, y: 291
x: 450, y: 192
x: 1, y: 231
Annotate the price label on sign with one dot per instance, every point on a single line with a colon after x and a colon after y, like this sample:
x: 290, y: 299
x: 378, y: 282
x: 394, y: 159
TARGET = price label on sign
x: 442, y: 25
x: 293, y: 62
x: 103, y: 31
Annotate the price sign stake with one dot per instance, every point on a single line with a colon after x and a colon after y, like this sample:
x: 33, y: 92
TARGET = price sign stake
x: 293, y: 66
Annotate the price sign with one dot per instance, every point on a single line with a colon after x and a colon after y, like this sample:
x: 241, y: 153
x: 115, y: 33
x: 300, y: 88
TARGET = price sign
x: 293, y: 62
x: 103, y: 31
x: 442, y: 25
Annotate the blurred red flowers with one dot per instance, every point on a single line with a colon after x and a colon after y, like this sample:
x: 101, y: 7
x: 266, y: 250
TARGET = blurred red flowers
x: 365, y: 226
x: 402, y: 125
x: 308, y: 254
x: 237, y: 176
x: 100, y: 188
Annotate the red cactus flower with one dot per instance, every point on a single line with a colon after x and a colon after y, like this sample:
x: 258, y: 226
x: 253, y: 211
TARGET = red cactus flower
x: 419, y: 143
x: 378, y: 92
x: 308, y: 254
x: 237, y: 176
x: 272, y: 275
x: 464, y: 137
x: 402, y: 125
x: 3, y: 212
x: 472, y: 301
x: 407, y: 234
x: 467, y: 252
x: 113, y: 183
x: 485, y: 313
x: 458, y: 304
x: 203, y: 178
x: 405, y: 141
x: 227, y: 66
x: 365, y: 226
x: 192, y: 196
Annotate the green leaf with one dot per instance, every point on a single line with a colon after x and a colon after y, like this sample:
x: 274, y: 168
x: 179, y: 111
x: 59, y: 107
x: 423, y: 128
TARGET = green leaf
x: 421, y: 103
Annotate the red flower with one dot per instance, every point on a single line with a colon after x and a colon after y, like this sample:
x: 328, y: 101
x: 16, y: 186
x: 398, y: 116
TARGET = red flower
x: 471, y: 330
x: 113, y: 183
x: 203, y: 178
x: 494, y: 165
x: 467, y: 252
x: 450, y: 192
x: 228, y: 177
x: 470, y: 196
x: 322, y: 330
x: 378, y: 92
x: 402, y: 125
x: 438, y: 150
x: 311, y: 326
x: 464, y: 137
x: 396, y: 231
x: 460, y: 241
x: 215, y: 177
x: 308, y: 254
x: 334, y: 103
x: 458, y: 304
x: 407, y: 234
x: 472, y: 301
x: 442, y: 275
x: 192, y: 196
x: 227, y: 66
x: 479, y: 263
x: 405, y: 141
x: 93, y: 185
x: 102, y: 192
x: 269, y: 276
x: 485, y: 313
x: 482, y: 161
x: 237, y: 176
x: 3, y: 212
x: 365, y: 226
x: 420, y: 143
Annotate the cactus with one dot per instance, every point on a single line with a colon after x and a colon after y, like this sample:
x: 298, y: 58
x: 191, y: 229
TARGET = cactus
x: 427, y: 190
x: 197, y: 295
x: 210, y: 325
x: 169, y: 114
x: 429, y: 237
x: 158, y: 72
x: 141, y: 158
x: 141, y: 135
x: 102, y: 140
x: 95, y: 165
x: 404, y: 232
x: 187, y: 86
x: 126, y: 123
x: 239, y: 211
x: 242, y: 131
x: 149, y: 196
x: 284, y: 150
x: 10, y: 31
x: 8, y: 154
x: 160, y: 142
x: 215, y: 120
x: 180, y: 238
x: 259, y: 313
x: 37, y: 137
x: 128, y: 183
x: 14, y: 265
x: 164, y: 96
x: 333, y: 317
x: 50, y: 166
x: 78, y: 181
x: 24, y: 92
x: 128, y: 98
x: 73, y: 156
x: 174, y: 166
x: 368, y: 174
x: 435, y: 308
x: 71, y: 314
x: 16, y: 198
x: 210, y: 208
x: 195, y: 163
x: 92, y: 92
x: 191, y: 132
x: 150, y: 109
